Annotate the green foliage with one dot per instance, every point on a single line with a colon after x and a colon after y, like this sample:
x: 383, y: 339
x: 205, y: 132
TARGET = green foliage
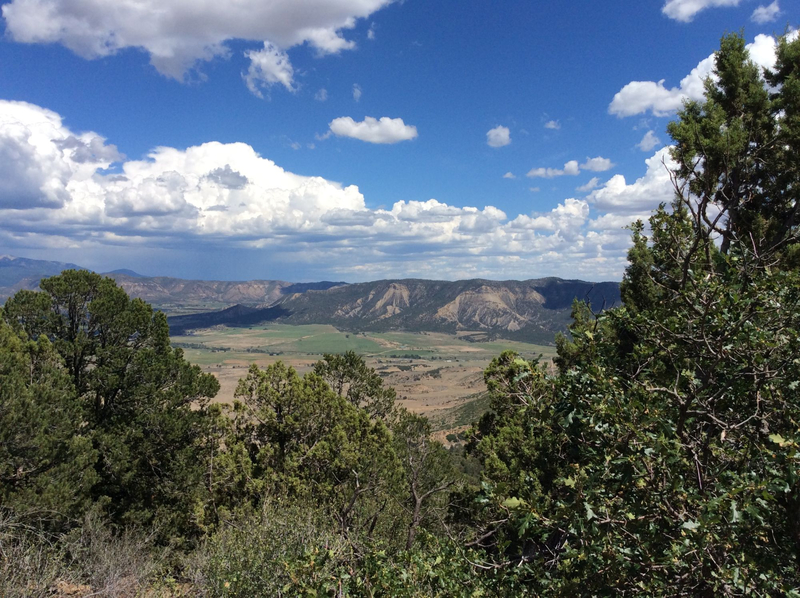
x: 736, y: 150
x: 309, y: 487
x: 287, y: 549
x: 436, y: 568
x: 294, y: 485
x: 305, y: 441
x: 429, y: 472
x: 662, y: 458
x: 577, y: 347
x: 638, y: 290
x: 349, y: 376
x: 46, y: 459
x: 127, y: 392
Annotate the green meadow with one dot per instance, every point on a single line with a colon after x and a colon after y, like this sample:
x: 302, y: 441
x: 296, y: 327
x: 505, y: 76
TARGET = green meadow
x: 220, y: 344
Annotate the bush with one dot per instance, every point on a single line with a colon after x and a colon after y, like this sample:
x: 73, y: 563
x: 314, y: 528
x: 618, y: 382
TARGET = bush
x: 282, y: 551
x: 30, y: 563
x: 122, y: 564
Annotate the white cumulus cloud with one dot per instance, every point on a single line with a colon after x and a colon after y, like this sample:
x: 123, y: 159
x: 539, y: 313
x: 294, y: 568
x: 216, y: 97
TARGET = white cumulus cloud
x: 598, y: 164
x: 209, y: 189
x: 498, y: 137
x: 70, y: 191
x: 267, y: 67
x: 648, y: 142
x: 40, y: 159
x: 638, y: 97
x: 592, y: 183
x: 373, y: 130
x: 509, y: 175
x: 570, y: 168
x: 566, y: 219
x: 766, y: 14
x: 685, y: 10
x: 644, y: 194
x: 178, y: 34
x: 552, y: 124
x: 357, y: 92
x: 321, y: 95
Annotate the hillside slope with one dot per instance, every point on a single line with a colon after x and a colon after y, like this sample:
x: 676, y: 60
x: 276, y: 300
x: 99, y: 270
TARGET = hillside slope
x: 532, y: 310
x: 18, y: 273
x: 529, y: 310
x: 163, y: 291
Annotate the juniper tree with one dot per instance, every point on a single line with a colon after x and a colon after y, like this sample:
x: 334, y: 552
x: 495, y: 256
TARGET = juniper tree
x: 663, y: 456
x: 46, y: 458
x: 141, y: 403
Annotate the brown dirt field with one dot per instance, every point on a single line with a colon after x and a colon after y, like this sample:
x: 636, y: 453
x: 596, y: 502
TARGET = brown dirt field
x: 417, y: 389
x: 448, y: 371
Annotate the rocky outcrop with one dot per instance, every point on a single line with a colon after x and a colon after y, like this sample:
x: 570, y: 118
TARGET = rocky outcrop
x: 531, y: 310
x: 487, y: 308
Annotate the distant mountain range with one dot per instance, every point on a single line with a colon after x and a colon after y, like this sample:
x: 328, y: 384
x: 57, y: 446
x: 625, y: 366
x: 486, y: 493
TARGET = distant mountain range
x: 173, y: 294
x: 530, y: 310
x: 126, y: 272
x: 18, y: 273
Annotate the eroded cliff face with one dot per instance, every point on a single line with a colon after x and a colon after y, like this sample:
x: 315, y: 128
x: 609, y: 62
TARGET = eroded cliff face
x: 392, y: 303
x: 415, y: 304
x: 533, y: 310
x: 378, y: 304
x: 492, y: 308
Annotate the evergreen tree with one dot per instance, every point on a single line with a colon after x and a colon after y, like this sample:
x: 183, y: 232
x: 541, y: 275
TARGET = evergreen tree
x: 141, y: 404
x: 304, y: 441
x: 429, y: 472
x: 662, y: 459
x: 349, y: 376
x: 46, y: 459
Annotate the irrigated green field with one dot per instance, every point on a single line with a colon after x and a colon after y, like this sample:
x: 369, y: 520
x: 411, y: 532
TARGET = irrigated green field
x: 431, y: 372
x: 320, y: 339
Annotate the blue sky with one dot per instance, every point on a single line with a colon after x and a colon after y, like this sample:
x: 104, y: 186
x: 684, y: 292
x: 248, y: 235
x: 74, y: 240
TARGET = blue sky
x: 348, y: 139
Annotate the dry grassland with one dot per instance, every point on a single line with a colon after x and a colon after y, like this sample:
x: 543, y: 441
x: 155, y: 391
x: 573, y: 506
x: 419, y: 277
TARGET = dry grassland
x: 430, y: 371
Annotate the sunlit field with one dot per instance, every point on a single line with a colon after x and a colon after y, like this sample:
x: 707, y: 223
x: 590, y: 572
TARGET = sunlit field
x: 431, y: 372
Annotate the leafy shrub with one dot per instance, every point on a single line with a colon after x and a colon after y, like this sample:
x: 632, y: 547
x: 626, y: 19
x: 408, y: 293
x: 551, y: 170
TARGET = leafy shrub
x: 284, y: 550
